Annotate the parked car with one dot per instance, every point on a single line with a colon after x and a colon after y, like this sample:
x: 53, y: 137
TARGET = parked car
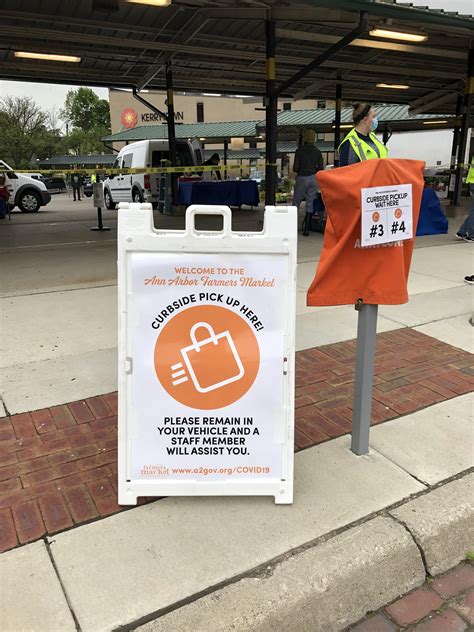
x: 25, y: 192
x: 144, y: 187
x: 258, y: 176
x: 87, y: 186
x: 55, y: 184
x: 35, y: 176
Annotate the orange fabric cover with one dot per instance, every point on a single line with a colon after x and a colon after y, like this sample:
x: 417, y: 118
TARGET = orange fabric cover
x: 346, y: 272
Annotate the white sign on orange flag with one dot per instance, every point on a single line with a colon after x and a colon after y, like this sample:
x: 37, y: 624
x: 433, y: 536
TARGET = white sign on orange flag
x: 204, y: 395
x: 387, y: 214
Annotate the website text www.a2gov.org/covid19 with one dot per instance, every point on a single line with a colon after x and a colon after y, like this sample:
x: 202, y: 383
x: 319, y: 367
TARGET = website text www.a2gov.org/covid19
x: 162, y: 470
x: 230, y: 471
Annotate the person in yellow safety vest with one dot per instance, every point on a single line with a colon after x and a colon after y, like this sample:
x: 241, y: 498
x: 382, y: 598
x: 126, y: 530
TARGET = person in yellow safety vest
x: 93, y: 178
x: 361, y: 143
x: 470, y: 175
x: 466, y: 230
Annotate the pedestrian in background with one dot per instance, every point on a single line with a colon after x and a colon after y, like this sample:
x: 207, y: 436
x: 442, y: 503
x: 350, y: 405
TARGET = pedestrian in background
x: 4, y: 195
x: 213, y: 161
x: 76, y: 183
x: 308, y: 161
x: 466, y: 230
x: 361, y: 143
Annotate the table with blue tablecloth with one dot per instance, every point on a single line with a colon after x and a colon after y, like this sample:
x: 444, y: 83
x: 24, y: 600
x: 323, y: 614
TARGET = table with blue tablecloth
x: 228, y: 192
x: 432, y: 220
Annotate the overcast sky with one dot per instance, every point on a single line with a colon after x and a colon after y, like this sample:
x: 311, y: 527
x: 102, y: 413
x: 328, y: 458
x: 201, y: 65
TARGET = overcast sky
x: 49, y: 95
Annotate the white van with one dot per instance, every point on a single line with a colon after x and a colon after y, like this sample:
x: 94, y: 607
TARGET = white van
x: 26, y: 192
x: 144, y: 187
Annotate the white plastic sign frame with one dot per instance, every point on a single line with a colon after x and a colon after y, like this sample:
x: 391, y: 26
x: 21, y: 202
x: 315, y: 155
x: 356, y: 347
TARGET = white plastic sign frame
x: 149, y: 261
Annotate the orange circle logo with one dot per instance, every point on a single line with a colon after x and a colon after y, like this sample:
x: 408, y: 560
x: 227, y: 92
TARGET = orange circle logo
x: 375, y: 216
x: 398, y: 213
x: 207, y: 357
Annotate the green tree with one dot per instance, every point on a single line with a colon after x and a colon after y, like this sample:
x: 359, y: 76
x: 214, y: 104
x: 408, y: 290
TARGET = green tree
x: 84, y: 110
x: 89, y: 120
x: 49, y: 143
x: 24, y: 132
x: 81, y: 142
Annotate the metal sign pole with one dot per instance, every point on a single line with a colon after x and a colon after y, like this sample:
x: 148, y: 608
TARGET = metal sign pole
x: 100, y: 226
x: 98, y: 200
x: 364, y: 371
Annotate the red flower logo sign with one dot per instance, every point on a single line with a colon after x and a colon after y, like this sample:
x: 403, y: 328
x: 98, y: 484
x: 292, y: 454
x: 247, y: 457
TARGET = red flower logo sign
x: 129, y: 118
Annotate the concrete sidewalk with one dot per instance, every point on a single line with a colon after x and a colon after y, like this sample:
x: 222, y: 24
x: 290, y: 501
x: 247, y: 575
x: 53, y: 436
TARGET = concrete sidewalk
x: 247, y: 564
x: 362, y: 530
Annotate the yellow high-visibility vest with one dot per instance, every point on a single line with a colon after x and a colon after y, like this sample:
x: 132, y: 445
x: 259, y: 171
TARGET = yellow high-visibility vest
x: 470, y: 173
x: 362, y: 149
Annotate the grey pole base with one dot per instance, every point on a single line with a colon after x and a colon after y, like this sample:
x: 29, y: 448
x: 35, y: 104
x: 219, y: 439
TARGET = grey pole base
x: 364, y: 372
x: 100, y: 226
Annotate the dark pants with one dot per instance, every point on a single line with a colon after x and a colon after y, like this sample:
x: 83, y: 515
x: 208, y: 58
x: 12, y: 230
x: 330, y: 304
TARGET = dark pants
x: 467, y: 227
x: 78, y: 191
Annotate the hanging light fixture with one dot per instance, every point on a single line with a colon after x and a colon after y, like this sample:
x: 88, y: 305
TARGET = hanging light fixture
x: 393, y: 86
x: 398, y: 35
x: 46, y: 56
x: 151, y: 3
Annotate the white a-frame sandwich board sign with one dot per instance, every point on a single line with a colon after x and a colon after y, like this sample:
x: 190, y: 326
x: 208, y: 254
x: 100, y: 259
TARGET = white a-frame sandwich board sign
x: 206, y: 356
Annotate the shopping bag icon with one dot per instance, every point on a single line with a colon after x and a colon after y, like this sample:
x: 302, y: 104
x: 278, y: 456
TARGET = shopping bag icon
x: 212, y: 362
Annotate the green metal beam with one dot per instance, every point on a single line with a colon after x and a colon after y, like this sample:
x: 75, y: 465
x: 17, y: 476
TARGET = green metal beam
x: 417, y: 15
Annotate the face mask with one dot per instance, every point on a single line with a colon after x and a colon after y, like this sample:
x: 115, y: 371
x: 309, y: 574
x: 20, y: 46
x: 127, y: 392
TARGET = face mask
x: 375, y: 124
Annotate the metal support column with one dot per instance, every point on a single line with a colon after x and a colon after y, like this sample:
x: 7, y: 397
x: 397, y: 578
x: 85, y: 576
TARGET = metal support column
x: 171, y: 129
x: 455, y: 146
x: 464, y: 129
x: 364, y: 371
x: 271, y: 107
x: 337, y: 120
x: 226, y: 149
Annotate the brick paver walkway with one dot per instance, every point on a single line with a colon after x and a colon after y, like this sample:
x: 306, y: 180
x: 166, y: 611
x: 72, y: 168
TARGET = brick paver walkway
x: 58, y: 466
x: 443, y: 604
x: 412, y: 371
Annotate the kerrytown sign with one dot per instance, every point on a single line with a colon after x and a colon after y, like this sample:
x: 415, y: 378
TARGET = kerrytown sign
x: 129, y: 117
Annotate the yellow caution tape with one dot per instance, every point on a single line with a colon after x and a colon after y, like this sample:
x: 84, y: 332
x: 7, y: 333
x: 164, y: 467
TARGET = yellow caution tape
x: 126, y: 171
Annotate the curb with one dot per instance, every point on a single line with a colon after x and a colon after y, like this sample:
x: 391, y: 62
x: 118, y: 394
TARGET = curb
x: 336, y: 583
x: 441, y: 523
x: 322, y: 589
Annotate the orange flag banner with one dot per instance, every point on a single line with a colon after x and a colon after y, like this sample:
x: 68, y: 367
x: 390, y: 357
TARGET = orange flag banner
x: 347, y: 271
